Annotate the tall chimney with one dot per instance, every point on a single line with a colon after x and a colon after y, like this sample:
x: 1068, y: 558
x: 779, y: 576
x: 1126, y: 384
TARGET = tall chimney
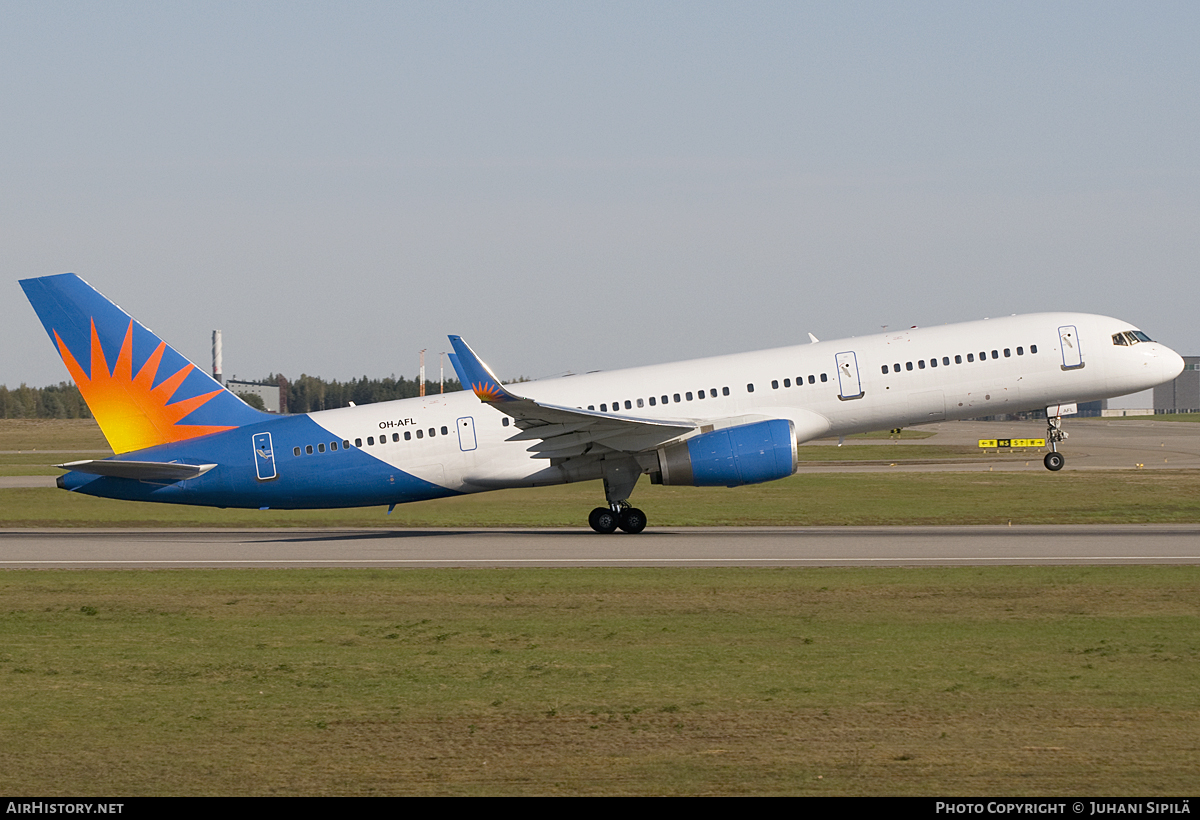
x: 217, y: 357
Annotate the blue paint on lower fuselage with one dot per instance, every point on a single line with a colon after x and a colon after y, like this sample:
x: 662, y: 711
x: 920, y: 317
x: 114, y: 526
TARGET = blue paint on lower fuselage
x: 348, y: 477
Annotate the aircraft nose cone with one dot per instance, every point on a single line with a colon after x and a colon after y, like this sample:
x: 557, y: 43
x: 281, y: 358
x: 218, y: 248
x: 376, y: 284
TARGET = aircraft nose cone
x: 1172, y: 364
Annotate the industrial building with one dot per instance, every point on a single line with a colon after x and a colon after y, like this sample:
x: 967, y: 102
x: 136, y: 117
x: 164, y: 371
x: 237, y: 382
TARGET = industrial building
x: 1183, y: 394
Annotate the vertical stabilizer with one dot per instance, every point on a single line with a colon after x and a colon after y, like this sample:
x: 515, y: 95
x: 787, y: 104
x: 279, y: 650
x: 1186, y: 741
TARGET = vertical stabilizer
x: 141, y: 391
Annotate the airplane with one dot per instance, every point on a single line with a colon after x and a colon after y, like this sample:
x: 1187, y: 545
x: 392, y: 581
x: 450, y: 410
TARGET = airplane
x: 180, y: 437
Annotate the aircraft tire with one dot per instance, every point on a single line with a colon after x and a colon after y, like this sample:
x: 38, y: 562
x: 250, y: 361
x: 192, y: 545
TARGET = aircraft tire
x: 603, y: 520
x: 632, y: 520
x: 1054, y: 461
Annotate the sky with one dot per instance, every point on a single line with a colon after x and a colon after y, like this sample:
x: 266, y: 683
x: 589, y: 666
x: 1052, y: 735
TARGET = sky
x: 576, y: 186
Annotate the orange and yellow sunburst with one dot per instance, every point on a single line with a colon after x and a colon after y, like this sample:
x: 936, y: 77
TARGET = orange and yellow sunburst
x: 487, y: 391
x: 132, y: 413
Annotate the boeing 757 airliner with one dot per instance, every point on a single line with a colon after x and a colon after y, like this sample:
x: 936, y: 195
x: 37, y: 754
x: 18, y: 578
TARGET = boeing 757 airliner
x: 180, y: 437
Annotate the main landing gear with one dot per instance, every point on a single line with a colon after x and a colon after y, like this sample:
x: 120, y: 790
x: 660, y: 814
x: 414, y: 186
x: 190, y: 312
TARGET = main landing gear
x: 1054, y: 460
x: 606, y: 520
x: 621, y: 475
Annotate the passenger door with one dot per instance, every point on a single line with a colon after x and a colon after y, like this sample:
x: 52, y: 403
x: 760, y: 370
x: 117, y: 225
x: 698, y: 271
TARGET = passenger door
x: 466, y: 434
x: 849, y: 384
x: 1069, y: 344
x: 264, y: 457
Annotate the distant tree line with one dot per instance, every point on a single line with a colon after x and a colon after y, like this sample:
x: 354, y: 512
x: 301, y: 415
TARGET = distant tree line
x: 58, y: 401
x: 310, y: 393
x: 304, y: 395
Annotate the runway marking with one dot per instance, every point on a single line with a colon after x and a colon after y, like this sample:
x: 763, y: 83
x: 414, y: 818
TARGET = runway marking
x: 461, y: 561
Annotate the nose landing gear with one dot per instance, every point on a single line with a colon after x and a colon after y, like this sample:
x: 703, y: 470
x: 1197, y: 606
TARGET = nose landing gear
x: 1054, y: 460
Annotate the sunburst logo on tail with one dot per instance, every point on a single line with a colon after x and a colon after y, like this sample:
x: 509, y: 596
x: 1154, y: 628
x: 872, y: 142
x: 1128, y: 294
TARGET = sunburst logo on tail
x: 488, y: 391
x: 132, y: 412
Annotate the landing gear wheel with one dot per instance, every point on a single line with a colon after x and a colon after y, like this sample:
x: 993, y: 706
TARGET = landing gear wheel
x: 1054, y: 461
x: 632, y: 520
x: 603, y: 520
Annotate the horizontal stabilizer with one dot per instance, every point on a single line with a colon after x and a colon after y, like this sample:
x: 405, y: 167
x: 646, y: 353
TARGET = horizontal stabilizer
x: 139, y: 470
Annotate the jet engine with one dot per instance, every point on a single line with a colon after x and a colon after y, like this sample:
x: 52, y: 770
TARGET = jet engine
x: 730, y: 457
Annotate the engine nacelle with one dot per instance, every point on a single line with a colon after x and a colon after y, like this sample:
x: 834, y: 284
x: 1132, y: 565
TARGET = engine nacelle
x: 746, y: 454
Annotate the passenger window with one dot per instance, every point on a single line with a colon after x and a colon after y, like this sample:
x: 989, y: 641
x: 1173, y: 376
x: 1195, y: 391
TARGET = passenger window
x: 724, y: 391
x: 321, y: 447
x: 824, y: 377
x: 787, y: 382
x: 812, y: 379
x: 628, y: 405
x: 408, y: 435
x: 652, y: 401
x: 677, y: 399
x: 420, y: 434
x: 1020, y: 351
x: 885, y: 369
x: 604, y: 408
x: 933, y: 362
x: 665, y: 401
x: 688, y: 395
x: 908, y: 366
x: 921, y: 364
x: 983, y: 355
x: 774, y: 384
x: 642, y: 403
x: 958, y: 359
x: 946, y: 361
x: 346, y: 444
x: 1033, y: 348
x: 700, y: 394
x: 504, y: 422
x: 432, y: 432
x: 712, y: 392
x: 750, y: 388
x: 970, y: 357
x: 295, y: 451
x: 896, y: 367
x: 445, y: 431
x: 358, y: 442
x: 333, y: 446
x: 995, y: 354
x: 1007, y: 353
x: 370, y: 440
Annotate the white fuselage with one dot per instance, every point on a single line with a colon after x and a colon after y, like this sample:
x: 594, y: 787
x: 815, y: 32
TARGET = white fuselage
x: 882, y: 381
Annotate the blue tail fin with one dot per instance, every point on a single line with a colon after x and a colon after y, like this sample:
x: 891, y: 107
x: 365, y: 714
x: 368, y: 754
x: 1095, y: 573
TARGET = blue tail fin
x: 141, y: 391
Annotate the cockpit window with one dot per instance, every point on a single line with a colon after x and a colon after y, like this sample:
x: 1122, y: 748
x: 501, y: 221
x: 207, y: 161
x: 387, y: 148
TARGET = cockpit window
x: 1130, y: 337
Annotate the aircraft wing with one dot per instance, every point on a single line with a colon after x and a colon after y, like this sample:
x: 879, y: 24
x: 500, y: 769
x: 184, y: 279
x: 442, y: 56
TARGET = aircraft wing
x: 562, y: 432
x: 139, y: 470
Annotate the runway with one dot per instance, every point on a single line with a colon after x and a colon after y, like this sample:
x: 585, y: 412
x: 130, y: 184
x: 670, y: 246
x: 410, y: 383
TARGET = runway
x: 668, y: 547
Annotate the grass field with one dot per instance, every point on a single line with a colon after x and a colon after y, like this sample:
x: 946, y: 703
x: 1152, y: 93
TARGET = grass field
x: 52, y: 434
x: 1021, y: 681
x: 964, y: 681
x: 830, y: 499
